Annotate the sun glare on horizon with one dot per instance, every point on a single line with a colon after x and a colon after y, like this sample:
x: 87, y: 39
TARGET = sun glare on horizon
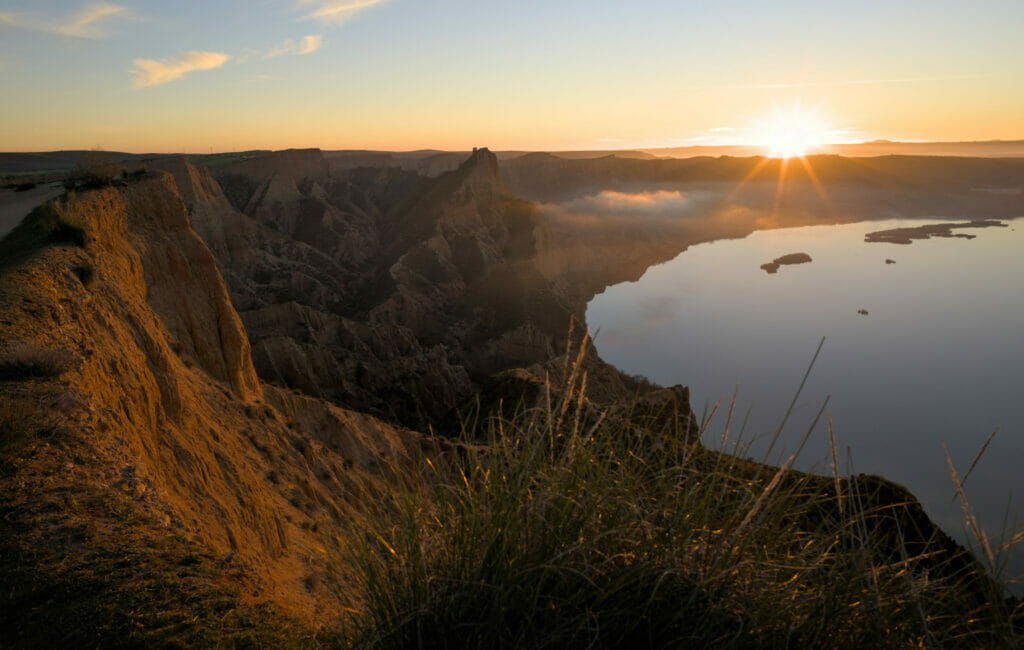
x: 793, y: 131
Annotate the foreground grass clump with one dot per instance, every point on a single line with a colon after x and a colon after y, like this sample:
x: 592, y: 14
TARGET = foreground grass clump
x: 571, y: 529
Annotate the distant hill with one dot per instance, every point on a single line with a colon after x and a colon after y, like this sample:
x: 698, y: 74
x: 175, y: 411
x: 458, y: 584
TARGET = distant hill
x: 984, y: 149
x: 433, y: 162
x: 58, y: 161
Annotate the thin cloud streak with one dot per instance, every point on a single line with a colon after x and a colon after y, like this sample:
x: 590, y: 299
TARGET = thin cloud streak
x: 339, y: 11
x: 865, y: 82
x: 84, y: 24
x: 150, y: 72
x: 307, y: 45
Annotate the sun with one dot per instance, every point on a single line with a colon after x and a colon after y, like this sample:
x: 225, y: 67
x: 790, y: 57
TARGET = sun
x: 793, y: 132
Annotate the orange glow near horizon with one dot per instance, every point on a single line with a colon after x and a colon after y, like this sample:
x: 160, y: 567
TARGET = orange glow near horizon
x: 793, y: 132
x: 400, y: 76
x: 790, y: 134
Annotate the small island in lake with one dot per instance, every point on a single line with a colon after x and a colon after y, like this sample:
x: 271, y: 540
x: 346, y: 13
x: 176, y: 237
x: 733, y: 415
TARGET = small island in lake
x: 907, y: 235
x: 792, y: 258
x: 862, y: 312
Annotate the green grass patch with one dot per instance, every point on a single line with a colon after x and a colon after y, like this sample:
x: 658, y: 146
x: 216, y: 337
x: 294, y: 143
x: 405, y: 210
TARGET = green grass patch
x: 218, y: 159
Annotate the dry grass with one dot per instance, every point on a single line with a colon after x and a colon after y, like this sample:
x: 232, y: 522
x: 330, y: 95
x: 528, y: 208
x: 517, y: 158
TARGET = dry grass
x: 568, y: 528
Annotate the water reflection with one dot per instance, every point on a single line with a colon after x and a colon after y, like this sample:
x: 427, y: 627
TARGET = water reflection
x: 938, y: 358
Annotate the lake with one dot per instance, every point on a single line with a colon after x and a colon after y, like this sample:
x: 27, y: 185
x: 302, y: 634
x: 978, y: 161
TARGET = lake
x: 938, y: 359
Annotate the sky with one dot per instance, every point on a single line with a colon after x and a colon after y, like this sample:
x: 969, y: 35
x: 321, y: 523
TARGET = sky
x: 230, y: 75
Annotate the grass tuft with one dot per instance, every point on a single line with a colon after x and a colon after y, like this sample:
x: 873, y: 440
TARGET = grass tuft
x: 563, y: 527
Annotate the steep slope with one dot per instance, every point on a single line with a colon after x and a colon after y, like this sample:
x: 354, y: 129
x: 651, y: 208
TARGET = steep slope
x: 131, y: 410
x: 378, y: 288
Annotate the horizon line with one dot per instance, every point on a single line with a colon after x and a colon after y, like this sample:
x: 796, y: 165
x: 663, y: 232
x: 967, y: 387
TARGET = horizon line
x: 641, y: 148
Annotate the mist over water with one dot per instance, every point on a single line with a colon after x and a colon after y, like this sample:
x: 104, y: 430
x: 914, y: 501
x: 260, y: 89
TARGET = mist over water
x: 938, y: 359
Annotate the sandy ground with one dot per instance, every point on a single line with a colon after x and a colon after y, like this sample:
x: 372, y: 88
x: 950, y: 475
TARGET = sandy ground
x: 14, y: 206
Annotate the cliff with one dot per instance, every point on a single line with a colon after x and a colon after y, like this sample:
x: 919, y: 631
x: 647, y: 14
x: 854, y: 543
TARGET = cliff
x: 125, y: 369
x: 380, y: 289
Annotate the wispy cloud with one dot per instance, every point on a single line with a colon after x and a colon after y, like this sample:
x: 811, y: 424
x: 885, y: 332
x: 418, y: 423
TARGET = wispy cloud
x: 150, y: 72
x: 338, y: 11
x: 307, y: 45
x: 88, y: 23
x: 866, y: 82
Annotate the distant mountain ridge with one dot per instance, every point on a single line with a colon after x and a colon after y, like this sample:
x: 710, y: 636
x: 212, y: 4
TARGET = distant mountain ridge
x: 432, y: 162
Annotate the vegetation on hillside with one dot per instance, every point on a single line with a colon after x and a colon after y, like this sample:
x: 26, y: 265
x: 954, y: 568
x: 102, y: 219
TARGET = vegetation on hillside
x: 571, y: 529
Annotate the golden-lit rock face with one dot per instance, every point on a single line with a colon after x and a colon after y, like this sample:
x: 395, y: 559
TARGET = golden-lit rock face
x: 160, y: 388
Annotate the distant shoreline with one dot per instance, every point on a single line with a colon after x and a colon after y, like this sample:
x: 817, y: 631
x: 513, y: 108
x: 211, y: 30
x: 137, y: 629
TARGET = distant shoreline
x: 908, y: 235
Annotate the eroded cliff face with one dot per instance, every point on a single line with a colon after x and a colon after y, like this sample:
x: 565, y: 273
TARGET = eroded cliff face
x: 157, y: 402
x: 378, y: 288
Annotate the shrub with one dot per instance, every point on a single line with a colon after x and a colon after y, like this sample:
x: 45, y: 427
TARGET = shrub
x: 24, y: 361
x: 93, y: 170
x: 24, y: 187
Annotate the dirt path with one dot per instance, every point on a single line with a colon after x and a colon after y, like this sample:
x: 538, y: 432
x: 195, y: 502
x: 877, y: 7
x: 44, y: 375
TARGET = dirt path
x: 15, y: 205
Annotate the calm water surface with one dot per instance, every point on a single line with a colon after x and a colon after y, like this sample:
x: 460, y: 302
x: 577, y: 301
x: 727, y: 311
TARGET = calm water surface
x: 938, y: 360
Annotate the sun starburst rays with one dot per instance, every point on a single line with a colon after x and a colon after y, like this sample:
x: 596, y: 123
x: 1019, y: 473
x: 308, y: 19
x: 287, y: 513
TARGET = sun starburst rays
x: 790, y: 133
x: 793, y: 131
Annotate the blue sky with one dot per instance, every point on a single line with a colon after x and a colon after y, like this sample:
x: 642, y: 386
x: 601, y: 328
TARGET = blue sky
x: 405, y: 74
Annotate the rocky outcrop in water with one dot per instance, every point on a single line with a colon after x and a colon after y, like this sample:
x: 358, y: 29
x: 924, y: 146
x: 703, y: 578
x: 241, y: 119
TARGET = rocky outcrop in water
x: 908, y: 235
x: 792, y: 258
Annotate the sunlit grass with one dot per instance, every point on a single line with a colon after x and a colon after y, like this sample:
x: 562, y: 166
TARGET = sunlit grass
x: 569, y: 527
